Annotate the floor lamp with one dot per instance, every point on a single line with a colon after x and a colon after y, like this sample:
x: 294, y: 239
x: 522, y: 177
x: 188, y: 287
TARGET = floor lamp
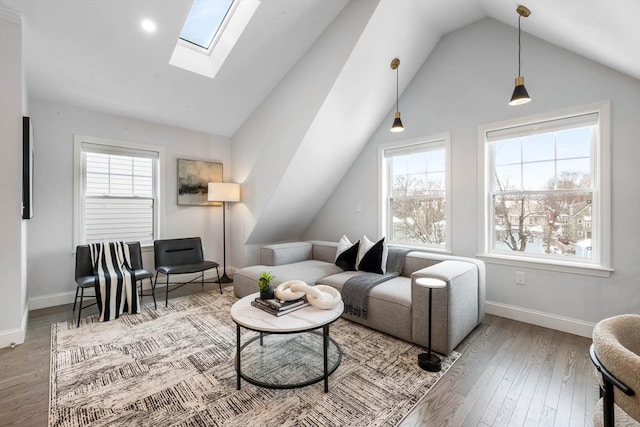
x: 224, y: 192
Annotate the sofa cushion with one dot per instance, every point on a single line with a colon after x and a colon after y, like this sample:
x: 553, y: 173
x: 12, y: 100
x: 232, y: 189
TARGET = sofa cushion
x: 396, y: 290
x: 285, y: 253
x: 389, y: 308
x: 323, y: 250
x: 338, y: 279
x: 246, y: 279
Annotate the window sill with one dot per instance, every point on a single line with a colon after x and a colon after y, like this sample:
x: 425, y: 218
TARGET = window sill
x: 421, y: 248
x: 561, y: 267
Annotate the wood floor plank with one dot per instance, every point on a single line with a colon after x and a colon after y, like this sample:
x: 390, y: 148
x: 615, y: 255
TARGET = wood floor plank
x: 503, y: 360
x: 548, y: 416
x: 479, y: 347
x: 480, y: 381
x: 580, y: 393
x: 498, y: 399
x: 555, y: 384
x: 520, y: 371
x: 507, y: 396
x: 510, y: 374
x: 548, y: 359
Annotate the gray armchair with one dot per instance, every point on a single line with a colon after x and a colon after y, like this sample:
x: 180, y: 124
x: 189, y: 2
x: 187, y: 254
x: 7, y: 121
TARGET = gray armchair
x: 615, y: 352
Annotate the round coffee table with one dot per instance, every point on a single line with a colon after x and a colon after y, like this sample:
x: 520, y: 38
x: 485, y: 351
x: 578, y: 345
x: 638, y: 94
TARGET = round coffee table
x: 289, y: 352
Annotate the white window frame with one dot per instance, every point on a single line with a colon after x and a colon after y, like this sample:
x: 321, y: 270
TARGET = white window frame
x: 78, y: 182
x: 441, y: 138
x: 601, y: 209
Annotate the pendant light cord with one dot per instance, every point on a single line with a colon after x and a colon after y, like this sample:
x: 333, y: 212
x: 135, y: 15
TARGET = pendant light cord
x: 519, y: 48
x: 397, y: 88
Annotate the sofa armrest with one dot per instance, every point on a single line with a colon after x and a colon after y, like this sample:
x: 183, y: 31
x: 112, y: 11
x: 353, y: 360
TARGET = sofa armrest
x: 285, y: 253
x: 455, y: 307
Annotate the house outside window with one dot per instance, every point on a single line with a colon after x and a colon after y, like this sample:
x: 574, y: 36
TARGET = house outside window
x: 117, y: 188
x: 414, y: 183
x: 546, y: 189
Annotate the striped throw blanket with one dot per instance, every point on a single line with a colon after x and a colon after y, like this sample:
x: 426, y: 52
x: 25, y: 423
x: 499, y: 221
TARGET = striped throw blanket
x: 115, y: 281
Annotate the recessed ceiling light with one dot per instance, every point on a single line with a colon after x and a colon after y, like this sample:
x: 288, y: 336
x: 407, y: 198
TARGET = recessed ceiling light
x: 149, y: 26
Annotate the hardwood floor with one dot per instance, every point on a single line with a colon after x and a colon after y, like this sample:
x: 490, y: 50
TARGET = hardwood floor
x: 513, y: 374
x: 510, y: 374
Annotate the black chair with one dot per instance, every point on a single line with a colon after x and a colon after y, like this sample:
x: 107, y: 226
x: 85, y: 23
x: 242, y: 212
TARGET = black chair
x: 84, y: 276
x: 86, y: 279
x: 181, y: 256
x: 135, y: 252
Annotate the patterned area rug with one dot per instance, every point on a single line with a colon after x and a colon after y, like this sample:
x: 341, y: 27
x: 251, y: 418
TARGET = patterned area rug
x: 174, y: 366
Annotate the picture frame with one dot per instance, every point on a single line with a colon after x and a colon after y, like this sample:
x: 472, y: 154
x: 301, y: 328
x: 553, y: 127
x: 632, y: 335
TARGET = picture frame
x: 27, y: 168
x: 194, y: 177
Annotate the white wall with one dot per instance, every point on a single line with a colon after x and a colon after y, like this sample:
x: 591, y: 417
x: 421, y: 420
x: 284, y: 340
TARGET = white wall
x: 13, y: 304
x: 50, y: 257
x: 278, y: 152
x: 465, y: 83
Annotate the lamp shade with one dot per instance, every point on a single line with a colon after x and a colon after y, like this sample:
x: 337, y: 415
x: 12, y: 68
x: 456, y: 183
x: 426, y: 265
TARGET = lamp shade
x: 397, y: 124
x: 520, y: 95
x: 223, y: 192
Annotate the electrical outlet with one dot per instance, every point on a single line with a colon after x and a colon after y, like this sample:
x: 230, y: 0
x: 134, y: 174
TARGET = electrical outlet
x: 520, y: 278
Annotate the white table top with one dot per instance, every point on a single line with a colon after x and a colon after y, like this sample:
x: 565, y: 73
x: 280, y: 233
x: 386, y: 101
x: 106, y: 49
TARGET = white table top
x: 430, y: 282
x: 304, y: 319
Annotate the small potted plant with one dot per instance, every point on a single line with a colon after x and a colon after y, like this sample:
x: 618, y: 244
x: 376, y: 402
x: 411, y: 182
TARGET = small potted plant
x: 264, y: 283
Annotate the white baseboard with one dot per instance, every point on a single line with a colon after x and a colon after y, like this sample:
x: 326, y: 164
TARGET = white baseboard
x: 15, y: 336
x: 51, y: 300
x: 62, y: 298
x: 540, y: 318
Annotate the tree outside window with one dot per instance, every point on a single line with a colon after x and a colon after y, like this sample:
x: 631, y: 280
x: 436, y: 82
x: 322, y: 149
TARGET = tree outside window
x: 543, y: 189
x: 415, y: 195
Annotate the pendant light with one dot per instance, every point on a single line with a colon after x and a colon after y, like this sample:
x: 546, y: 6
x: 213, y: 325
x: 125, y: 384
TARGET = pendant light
x: 520, y: 95
x: 397, y: 123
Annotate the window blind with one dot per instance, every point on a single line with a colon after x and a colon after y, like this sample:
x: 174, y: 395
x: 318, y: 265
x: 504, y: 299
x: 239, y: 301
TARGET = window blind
x: 554, y: 125
x: 118, y: 193
x: 116, y: 218
x: 421, y: 147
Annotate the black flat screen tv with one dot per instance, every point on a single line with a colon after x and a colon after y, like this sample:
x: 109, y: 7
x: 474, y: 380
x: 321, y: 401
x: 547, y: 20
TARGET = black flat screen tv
x: 27, y: 168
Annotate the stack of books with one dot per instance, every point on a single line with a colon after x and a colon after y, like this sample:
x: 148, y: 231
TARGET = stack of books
x: 278, y: 307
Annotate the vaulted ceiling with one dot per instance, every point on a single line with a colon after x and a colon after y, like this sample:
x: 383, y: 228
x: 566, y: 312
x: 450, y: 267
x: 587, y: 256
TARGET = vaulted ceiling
x: 93, y: 53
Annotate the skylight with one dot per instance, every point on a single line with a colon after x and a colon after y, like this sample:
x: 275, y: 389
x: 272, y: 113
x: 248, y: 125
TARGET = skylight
x: 212, y: 29
x: 204, y: 21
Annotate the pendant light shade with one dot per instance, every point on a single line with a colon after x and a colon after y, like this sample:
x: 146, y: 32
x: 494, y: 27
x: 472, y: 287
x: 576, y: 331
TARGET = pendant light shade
x: 397, y: 123
x: 520, y: 95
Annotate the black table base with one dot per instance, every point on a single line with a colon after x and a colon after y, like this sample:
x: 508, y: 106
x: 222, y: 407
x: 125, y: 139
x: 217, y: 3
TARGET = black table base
x: 328, y: 366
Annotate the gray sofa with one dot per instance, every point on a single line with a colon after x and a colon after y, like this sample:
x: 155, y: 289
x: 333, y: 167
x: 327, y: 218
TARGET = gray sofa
x: 397, y: 307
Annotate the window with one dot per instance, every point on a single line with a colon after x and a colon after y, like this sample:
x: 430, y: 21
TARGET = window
x: 210, y: 32
x: 414, y: 192
x: 545, y: 179
x: 204, y: 21
x: 116, y: 192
